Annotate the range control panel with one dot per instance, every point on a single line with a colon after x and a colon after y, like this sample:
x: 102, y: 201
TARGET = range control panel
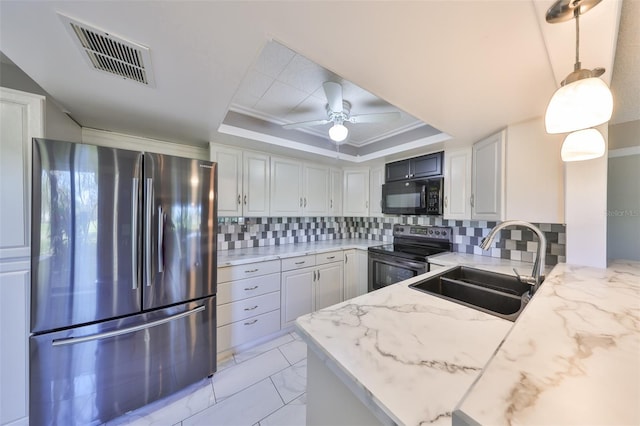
x: 423, y: 232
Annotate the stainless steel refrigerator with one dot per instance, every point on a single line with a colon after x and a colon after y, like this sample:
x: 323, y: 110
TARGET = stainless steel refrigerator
x: 123, y: 280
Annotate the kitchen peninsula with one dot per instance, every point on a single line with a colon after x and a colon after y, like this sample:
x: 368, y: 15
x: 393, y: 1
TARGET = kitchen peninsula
x: 405, y: 357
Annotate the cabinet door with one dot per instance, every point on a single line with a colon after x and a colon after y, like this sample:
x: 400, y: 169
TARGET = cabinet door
x: 229, y: 180
x: 21, y: 116
x: 457, y: 184
x: 426, y: 166
x: 375, y: 190
x: 14, y: 331
x: 296, y: 294
x: 356, y: 192
x: 398, y: 170
x: 255, y: 185
x: 316, y: 191
x: 335, y: 197
x: 488, y: 178
x: 286, y: 187
x: 350, y: 274
x: 363, y: 271
x: 329, y: 285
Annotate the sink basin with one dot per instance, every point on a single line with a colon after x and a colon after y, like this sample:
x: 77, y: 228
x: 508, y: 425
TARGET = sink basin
x: 496, y: 294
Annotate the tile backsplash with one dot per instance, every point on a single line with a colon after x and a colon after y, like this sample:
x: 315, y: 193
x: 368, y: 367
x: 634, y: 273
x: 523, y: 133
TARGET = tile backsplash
x: 514, y: 244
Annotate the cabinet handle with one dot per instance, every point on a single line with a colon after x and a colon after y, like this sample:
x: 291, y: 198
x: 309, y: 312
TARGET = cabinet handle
x: 251, y: 271
x: 406, y: 176
x: 300, y: 201
x: 251, y: 288
x: 245, y: 200
x: 445, y: 201
x: 411, y: 175
x: 314, y: 275
x: 318, y: 275
x: 366, y: 204
x: 331, y: 257
x: 301, y: 263
x: 251, y: 322
x: 471, y: 201
x: 330, y: 204
x: 346, y: 258
x: 239, y: 199
x: 251, y: 309
x: 305, y: 201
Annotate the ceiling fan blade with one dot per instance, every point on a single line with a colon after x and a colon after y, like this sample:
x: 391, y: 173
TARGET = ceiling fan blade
x: 306, y: 124
x: 380, y: 117
x: 333, y: 91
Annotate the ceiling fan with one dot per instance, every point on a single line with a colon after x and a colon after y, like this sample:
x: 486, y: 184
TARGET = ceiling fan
x: 339, y: 112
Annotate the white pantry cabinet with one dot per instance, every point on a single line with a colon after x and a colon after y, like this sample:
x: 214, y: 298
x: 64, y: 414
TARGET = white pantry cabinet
x: 355, y: 273
x: 376, y: 179
x: 243, y: 182
x: 457, y: 184
x: 356, y: 192
x: 21, y: 118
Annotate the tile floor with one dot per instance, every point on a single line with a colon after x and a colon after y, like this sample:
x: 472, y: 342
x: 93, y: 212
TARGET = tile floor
x: 263, y: 386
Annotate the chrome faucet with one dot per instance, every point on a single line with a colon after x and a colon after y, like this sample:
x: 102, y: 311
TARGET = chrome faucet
x: 537, y: 274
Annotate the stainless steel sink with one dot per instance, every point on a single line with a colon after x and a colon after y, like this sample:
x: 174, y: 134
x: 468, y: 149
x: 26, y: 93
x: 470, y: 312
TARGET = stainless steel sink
x: 496, y: 294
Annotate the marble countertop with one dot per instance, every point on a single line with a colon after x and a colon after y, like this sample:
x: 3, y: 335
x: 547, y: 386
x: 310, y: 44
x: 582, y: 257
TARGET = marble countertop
x: 406, y: 355
x: 493, y: 264
x: 573, y: 356
x: 261, y: 254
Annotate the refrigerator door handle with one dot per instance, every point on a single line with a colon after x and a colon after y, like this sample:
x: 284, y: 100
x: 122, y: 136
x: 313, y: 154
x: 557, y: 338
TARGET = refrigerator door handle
x: 148, y: 206
x: 107, y: 334
x: 135, y: 193
x: 160, y: 239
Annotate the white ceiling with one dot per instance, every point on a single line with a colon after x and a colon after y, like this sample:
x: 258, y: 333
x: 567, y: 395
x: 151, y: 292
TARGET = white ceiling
x: 468, y: 68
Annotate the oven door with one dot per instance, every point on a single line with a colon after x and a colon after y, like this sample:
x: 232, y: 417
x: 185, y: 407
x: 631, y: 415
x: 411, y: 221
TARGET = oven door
x: 385, y: 270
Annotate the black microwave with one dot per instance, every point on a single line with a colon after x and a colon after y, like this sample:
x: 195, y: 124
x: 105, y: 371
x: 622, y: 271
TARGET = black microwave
x: 416, y: 197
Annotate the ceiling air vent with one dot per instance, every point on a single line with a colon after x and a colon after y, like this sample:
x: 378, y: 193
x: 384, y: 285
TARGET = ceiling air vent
x: 108, y: 53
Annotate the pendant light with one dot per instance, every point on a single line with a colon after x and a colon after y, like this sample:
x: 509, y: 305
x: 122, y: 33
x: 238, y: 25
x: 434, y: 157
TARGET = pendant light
x: 583, y: 100
x: 583, y: 145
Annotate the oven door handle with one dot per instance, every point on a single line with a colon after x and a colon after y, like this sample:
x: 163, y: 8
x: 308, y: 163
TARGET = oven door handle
x: 402, y: 263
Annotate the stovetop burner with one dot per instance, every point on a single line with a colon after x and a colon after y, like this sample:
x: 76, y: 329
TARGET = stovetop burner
x: 417, y: 242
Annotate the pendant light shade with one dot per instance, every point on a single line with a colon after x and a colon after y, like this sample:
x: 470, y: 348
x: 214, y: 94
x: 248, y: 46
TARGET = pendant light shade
x: 579, y: 105
x: 338, y: 132
x: 583, y: 145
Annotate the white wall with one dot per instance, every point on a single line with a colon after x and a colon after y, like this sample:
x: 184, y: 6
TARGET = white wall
x: 585, y: 210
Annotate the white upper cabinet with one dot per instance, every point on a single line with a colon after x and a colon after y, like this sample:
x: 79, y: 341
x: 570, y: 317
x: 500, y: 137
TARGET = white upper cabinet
x: 298, y: 189
x: 356, y: 192
x: 243, y: 182
x: 316, y: 190
x: 376, y: 179
x: 487, y: 191
x: 457, y: 184
x: 335, y: 192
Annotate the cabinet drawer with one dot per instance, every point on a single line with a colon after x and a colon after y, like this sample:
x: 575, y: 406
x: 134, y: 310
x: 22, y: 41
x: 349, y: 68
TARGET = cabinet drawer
x: 233, y: 291
x: 236, y: 311
x: 291, y: 263
x: 237, y: 333
x: 332, y: 256
x: 238, y: 272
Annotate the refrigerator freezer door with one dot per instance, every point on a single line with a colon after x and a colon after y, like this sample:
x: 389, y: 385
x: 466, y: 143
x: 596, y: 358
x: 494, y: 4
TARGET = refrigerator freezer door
x: 84, y: 244
x: 180, y: 221
x: 89, y: 375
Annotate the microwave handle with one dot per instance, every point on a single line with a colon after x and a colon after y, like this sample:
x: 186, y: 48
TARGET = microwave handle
x: 423, y: 196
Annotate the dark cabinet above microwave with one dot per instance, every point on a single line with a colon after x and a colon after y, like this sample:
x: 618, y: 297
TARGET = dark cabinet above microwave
x: 414, y: 168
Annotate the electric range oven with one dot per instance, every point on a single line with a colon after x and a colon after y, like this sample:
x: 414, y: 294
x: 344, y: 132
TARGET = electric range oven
x: 408, y: 256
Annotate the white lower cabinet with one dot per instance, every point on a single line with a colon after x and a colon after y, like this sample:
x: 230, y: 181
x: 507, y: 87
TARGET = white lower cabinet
x: 248, y: 300
x: 310, y: 288
x: 355, y: 273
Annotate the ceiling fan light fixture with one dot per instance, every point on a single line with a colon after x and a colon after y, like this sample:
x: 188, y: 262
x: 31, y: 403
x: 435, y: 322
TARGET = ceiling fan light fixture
x: 579, y: 105
x: 585, y: 144
x: 338, y: 132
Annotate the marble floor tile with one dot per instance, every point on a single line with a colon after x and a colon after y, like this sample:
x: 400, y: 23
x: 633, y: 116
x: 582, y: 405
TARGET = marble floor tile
x: 291, y: 382
x: 260, y: 349
x: 244, y: 408
x: 244, y: 374
x: 172, y: 409
x: 292, y: 414
x: 294, y: 351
